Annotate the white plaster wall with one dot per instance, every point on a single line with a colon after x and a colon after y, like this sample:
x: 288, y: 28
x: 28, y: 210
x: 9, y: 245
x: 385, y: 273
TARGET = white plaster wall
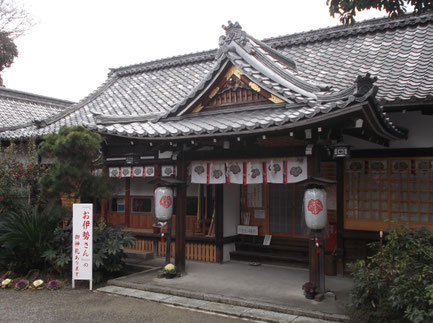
x: 140, y: 187
x: 420, y: 132
x: 231, y: 209
x: 227, y: 248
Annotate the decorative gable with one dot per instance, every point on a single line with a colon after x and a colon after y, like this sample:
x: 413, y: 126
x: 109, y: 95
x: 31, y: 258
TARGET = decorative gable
x: 232, y: 89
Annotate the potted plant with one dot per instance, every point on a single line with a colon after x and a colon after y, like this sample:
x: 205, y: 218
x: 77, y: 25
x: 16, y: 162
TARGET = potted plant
x: 310, y: 290
x: 169, y: 271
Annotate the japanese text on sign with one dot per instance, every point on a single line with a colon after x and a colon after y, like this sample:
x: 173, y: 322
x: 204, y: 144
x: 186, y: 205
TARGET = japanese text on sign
x: 82, y: 242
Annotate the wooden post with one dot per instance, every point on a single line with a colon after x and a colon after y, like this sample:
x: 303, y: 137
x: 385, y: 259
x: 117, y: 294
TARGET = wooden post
x: 104, y: 210
x: 168, y: 245
x: 127, y: 201
x: 340, y: 216
x: 314, y: 259
x: 219, y: 222
x: 154, y: 220
x: 321, y: 257
x: 180, y: 216
x: 104, y: 202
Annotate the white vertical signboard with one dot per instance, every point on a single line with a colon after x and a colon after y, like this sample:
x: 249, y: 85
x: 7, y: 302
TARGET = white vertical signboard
x: 82, y: 243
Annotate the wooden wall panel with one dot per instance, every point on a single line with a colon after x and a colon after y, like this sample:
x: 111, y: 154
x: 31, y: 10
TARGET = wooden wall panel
x: 116, y: 218
x: 193, y: 251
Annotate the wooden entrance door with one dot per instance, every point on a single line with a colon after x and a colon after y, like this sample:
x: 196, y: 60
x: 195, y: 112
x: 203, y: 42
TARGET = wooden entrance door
x: 285, y: 210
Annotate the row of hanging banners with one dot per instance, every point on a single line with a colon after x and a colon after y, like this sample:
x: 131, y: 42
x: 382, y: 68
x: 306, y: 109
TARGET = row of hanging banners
x: 138, y: 171
x: 281, y: 171
x: 278, y: 171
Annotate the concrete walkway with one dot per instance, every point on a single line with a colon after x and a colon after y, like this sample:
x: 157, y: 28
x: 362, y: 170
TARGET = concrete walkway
x: 270, y: 288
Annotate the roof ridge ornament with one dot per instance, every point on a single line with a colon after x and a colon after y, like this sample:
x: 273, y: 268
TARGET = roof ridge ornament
x: 234, y: 32
x: 363, y: 84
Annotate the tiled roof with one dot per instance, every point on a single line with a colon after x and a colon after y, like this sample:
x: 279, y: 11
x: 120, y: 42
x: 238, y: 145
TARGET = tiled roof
x: 398, y: 52
x: 18, y: 109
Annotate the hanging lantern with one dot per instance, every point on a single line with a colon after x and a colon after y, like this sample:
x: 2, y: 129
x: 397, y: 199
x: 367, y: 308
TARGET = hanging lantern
x: 163, y: 203
x: 340, y: 150
x: 315, y: 207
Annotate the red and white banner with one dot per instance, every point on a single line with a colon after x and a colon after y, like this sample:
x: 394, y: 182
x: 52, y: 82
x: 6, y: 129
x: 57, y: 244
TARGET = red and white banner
x: 168, y: 170
x: 97, y: 172
x: 114, y: 172
x: 199, y: 172
x: 137, y: 171
x: 149, y: 171
x: 217, y: 173
x: 296, y: 170
x: 235, y: 172
x: 82, y: 242
x: 254, y: 173
x: 275, y: 171
x: 125, y: 172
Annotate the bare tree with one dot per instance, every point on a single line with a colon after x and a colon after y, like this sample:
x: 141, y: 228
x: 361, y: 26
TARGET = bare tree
x: 14, y: 22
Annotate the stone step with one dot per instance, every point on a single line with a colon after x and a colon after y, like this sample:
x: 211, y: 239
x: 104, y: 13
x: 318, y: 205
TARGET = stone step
x: 140, y: 255
x: 247, y: 246
x: 266, y: 257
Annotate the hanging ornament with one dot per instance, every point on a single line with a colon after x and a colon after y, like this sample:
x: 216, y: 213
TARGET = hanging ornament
x: 162, y: 235
x: 317, y: 245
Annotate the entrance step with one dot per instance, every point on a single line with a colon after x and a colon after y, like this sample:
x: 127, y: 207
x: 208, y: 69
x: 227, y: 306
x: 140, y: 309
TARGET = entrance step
x: 282, y: 250
x: 262, y: 257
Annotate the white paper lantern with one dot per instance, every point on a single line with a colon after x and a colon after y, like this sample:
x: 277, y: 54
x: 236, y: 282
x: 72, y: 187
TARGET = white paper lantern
x: 315, y: 208
x: 163, y: 203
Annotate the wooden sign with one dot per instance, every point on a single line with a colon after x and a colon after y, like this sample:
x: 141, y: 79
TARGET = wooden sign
x: 248, y: 230
x: 267, y: 240
x: 82, y: 243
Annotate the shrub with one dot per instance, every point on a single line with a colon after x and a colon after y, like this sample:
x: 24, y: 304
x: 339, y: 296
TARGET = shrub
x: 19, y: 178
x: 396, y: 284
x: 108, y: 244
x: 25, y: 235
x: 75, y: 150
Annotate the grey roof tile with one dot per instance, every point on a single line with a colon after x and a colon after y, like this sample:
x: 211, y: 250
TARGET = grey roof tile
x: 398, y: 52
x: 18, y: 109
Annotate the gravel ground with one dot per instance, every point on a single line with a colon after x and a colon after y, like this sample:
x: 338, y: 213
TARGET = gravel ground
x: 82, y: 305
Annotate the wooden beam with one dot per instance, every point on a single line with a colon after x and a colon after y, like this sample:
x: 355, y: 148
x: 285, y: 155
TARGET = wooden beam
x: 127, y: 201
x: 340, y: 216
x: 219, y: 221
x: 180, y: 216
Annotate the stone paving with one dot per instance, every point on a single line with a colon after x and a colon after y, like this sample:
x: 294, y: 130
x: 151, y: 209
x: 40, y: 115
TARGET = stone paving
x: 208, y: 306
x: 235, y: 288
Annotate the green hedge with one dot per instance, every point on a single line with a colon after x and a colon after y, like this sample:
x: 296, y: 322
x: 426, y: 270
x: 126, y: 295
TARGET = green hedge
x: 396, y: 284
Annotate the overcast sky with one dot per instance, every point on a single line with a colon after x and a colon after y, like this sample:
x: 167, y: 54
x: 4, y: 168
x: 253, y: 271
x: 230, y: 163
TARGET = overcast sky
x: 69, y: 52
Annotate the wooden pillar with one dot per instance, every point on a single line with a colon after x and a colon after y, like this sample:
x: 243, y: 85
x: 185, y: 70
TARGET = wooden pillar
x: 156, y: 230
x: 340, y: 216
x: 219, y: 221
x: 127, y: 201
x: 104, y: 210
x: 313, y: 263
x: 104, y: 202
x: 168, y: 244
x: 180, y: 216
